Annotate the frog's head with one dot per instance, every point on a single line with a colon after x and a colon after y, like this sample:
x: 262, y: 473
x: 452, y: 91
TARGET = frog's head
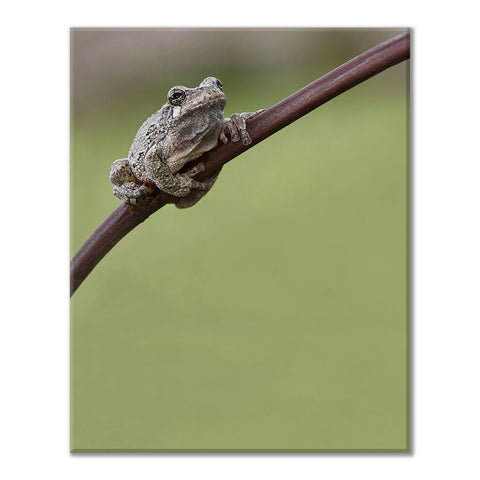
x: 194, y: 120
x: 187, y: 102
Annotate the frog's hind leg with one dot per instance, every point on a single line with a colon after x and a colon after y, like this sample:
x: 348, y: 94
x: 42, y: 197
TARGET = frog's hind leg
x: 125, y: 183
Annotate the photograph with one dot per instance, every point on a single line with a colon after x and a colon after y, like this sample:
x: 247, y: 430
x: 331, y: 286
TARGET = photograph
x: 240, y: 240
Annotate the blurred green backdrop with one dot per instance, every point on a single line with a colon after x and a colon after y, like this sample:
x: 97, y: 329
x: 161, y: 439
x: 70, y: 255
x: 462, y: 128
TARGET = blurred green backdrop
x: 273, y: 315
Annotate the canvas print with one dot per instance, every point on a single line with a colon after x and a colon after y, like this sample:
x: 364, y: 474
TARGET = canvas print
x: 240, y: 240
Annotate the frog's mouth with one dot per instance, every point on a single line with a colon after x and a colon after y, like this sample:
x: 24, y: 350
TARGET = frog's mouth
x: 220, y: 101
x: 211, y: 99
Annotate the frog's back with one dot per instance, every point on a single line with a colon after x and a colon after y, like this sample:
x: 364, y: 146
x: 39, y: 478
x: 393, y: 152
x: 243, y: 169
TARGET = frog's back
x: 151, y: 132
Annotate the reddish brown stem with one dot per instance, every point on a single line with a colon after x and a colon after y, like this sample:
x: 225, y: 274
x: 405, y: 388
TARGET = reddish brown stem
x: 126, y: 218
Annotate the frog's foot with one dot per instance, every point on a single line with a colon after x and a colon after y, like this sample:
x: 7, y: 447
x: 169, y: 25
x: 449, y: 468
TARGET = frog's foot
x: 131, y: 192
x: 120, y: 172
x: 236, y: 126
x: 126, y: 187
x: 182, y: 184
x: 198, y: 168
x: 197, y: 193
x: 185, y: 184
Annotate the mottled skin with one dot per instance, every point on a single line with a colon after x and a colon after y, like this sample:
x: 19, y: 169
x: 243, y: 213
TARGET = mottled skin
x: 189, y: 124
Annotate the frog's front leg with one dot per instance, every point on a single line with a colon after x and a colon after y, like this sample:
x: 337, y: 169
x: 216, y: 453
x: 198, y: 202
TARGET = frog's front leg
x: 236, y: 126
x: 125, y: 184
x: 173, y: 183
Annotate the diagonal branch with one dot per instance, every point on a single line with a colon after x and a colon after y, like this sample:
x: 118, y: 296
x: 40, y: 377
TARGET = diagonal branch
x: 125, y: 218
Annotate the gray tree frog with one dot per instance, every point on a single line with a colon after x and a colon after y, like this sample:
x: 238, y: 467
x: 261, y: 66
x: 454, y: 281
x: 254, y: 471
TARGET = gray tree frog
x: 189, y: 124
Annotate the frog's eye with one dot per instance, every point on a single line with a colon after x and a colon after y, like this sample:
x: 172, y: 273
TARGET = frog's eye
x: 176, y: 96
x: 219, y: 84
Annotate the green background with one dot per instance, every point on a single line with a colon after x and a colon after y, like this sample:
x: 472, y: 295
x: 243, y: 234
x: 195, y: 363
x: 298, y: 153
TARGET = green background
x: 273, y: 315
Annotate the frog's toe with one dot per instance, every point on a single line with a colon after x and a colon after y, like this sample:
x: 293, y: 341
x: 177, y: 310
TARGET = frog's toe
x: 129, y: 192
x: 236, y: 126
x: 198, y: 168
x: 120, y: 172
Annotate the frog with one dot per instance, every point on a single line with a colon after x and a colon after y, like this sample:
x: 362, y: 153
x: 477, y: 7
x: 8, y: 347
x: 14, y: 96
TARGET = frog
x: 189, y: 124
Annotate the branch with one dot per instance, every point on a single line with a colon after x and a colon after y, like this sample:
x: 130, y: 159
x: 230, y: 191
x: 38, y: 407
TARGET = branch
x: 126, y: 217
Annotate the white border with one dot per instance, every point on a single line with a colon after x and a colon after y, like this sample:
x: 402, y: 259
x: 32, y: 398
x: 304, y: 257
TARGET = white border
x: 34, y: 326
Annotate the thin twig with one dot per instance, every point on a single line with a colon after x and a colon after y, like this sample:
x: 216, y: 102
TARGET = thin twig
x: 125, y: 218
